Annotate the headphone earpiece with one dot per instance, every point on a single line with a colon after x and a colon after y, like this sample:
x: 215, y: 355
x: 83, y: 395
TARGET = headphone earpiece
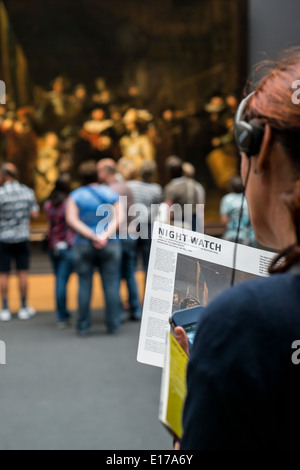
x: 248, y: 135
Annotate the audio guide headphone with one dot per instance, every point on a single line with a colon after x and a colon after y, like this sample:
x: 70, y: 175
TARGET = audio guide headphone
x: 248, y: 135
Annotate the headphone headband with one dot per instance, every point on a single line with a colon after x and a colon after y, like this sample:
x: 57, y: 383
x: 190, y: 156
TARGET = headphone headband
x: 242, y: 107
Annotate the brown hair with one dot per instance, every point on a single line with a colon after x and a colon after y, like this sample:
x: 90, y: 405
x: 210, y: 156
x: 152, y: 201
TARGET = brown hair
x: 272, y: 103
x: 88, y: 173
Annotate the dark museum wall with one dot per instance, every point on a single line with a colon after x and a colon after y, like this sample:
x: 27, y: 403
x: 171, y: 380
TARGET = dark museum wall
x: 178, y: 49
x: 153, y: 35
x: 274, y: 25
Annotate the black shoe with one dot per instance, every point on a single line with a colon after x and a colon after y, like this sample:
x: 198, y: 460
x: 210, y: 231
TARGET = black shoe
x: 136, y: 315
x: 133, y: 318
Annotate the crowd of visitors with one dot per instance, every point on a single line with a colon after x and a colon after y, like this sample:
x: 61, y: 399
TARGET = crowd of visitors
x: 90, y: 227
x: 91, y: 158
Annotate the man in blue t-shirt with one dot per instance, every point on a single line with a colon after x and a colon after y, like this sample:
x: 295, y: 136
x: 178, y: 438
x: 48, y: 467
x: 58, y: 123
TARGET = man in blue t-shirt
x: 93, y: 211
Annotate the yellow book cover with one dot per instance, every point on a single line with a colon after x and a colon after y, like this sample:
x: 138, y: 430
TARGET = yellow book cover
x: 173, y: 387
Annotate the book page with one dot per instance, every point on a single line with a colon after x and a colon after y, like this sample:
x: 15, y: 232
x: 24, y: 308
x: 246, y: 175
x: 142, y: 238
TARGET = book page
x: 187, y: 269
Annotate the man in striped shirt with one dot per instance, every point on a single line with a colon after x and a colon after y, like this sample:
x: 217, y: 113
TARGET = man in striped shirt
x: 17, y: 206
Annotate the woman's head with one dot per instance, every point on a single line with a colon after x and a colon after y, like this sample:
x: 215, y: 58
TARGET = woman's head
x: 276, y: 167
x: 62, y: 189
x: 63, y: 183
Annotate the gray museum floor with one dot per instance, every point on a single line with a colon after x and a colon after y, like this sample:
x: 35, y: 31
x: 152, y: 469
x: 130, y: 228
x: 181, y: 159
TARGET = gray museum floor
x: 59, y: 391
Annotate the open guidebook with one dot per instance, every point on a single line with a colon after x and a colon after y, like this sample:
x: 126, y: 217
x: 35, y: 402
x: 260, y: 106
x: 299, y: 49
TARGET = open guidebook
x: 186, y: 271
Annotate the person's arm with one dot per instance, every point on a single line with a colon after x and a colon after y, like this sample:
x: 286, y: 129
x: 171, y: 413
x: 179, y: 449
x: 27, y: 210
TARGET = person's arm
x: 224, y: 219
x: 73, y: 220
x: 168, y: 195
x: 35, y: 215
x: 224, y: 211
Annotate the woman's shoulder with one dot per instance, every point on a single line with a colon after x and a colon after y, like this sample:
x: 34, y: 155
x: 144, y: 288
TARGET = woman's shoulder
x: 259, y: 299
x: 262, y: 312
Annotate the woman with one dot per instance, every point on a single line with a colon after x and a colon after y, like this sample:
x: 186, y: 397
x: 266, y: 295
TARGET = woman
x: 60, y: 244
x: 243, y: 381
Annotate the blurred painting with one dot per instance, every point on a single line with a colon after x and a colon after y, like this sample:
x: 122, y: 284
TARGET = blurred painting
x: 110, y: 79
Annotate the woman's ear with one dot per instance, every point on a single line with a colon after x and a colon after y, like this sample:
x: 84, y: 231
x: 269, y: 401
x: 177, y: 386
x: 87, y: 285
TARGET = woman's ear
x: 263, y: 155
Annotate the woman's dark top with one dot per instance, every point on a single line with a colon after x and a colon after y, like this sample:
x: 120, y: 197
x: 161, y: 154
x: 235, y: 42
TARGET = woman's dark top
x: 243, y: 387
